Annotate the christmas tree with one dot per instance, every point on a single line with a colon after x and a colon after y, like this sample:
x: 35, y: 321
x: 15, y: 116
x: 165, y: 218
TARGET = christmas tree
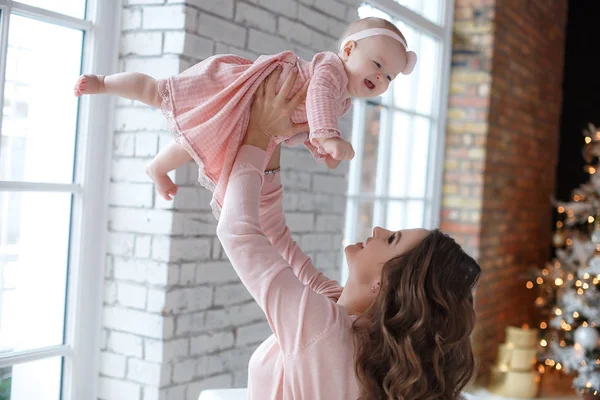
x: 569, y: 285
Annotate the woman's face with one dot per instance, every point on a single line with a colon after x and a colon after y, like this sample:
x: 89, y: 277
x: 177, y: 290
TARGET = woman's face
x: 366, y: 259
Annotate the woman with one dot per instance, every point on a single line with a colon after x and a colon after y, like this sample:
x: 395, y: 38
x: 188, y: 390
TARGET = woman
x: 400, y: 327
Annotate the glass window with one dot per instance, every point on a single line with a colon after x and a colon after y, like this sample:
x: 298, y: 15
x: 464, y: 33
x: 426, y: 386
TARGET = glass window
x: 433, y: 10
x: 395, y: 135
x: 16, y: 383
x: 40, y: 116
x: 73, y: 8
x: 43, y: 255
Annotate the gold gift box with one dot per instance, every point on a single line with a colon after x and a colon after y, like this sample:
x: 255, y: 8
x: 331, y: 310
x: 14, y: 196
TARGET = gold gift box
x: 513, y: 375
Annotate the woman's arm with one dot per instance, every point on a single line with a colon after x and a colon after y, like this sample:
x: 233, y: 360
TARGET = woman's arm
x: 297, y: 315
x: 272, y: 221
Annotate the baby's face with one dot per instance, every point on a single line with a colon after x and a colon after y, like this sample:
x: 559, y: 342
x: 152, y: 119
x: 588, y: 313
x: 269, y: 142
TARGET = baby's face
x: 372, y: 64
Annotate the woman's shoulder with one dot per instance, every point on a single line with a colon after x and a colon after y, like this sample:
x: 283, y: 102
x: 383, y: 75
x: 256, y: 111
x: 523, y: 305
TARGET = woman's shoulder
x: 337, y: 336
x: 339, y: 328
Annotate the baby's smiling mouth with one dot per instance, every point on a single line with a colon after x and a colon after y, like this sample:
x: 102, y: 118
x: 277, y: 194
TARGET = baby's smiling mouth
x: 369, y: 84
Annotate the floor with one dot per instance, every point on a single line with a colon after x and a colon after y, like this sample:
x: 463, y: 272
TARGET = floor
x: 485, y: 395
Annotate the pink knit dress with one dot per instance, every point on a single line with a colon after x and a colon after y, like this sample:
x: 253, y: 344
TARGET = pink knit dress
x: 208, y: 107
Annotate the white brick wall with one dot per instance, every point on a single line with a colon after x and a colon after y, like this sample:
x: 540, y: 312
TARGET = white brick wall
x: 177, y: 320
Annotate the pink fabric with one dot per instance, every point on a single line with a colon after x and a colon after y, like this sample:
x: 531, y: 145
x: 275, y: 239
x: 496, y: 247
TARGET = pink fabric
x: 311, y: 352
x: 208, y: 107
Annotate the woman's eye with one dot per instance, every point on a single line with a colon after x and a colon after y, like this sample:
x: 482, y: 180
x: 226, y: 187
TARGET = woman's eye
x: 391, y: 238
x: 377, y: 64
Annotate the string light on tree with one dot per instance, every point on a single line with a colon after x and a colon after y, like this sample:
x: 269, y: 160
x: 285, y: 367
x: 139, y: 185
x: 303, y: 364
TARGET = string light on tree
x: 569, y: 286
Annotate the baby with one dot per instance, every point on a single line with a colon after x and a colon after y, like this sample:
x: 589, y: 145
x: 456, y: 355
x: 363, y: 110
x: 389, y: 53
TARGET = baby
x: 208, y: 105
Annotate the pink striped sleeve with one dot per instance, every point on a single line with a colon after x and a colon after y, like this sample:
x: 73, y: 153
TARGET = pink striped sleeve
x: 272, y: 221
x: 297, y: 315
x: 324, y: 97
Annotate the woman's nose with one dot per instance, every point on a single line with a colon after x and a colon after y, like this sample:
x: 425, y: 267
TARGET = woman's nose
x: 377, y: 231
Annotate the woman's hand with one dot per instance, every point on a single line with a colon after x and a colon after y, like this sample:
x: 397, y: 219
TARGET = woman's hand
x: 271, y: 111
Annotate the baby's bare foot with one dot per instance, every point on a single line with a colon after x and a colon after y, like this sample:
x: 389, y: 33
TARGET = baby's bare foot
x: 87, y: 84
x: 164, y: 185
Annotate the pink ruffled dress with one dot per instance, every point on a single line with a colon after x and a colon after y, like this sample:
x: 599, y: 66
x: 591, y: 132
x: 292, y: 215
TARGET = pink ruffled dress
x: 208, y: 108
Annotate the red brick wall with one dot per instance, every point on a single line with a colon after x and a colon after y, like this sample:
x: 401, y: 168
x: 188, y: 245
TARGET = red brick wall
x: 501, y: 151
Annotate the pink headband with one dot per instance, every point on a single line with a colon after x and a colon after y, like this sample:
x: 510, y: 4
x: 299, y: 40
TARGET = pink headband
x: 411, y: 56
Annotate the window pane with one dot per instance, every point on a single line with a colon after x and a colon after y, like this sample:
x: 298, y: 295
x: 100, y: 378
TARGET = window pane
x: 400, y: 155
x: 409, y: 156
x: 433, y: 10
x: 419, y: 156
x: 33, y: 268
x: 429, y: 71
x: 74, y: 8
x: 365, y: 221
x: 368, y: 168
x: 40, y: 111
x: 395, y: 216
x: 405, y: 87
x: 365, y: 10
x: 404, y: 215
x: 417, y: 91
x: 414, y: 214
x: 39, y: 379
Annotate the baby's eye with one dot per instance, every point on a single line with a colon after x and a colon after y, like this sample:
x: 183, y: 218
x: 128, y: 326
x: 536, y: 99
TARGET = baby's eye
x: 389, y: 78
x: 377, y: 64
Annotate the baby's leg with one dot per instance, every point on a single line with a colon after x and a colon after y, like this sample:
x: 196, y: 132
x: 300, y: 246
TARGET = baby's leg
x: 130, y: 85
x: 168, y: 159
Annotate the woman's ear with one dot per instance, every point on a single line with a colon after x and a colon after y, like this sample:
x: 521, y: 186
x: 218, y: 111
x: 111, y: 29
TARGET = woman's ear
x: 375, y: 287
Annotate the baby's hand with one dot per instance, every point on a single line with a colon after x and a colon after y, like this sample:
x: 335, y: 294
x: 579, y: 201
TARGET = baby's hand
x: 338, y: 148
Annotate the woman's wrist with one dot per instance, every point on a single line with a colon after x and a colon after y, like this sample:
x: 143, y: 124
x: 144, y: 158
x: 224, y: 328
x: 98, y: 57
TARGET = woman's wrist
x: 261, y: 140
x: 275, y: 161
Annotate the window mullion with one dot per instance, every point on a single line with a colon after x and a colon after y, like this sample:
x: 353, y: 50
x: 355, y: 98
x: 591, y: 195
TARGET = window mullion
x: 409, y: 16
x: 383, y: 164
x: 371, y: 196
x: 349, y: 231
x: 3, y: 56
x: 358, y: 134
x: 410, y: 141
x: 10, y: 186
x: 51, y: 17
x: 438, y: 141
x: 20, y: 357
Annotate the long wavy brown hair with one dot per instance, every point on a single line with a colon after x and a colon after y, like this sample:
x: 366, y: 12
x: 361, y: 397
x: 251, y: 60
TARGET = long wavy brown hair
x: 414, y: 343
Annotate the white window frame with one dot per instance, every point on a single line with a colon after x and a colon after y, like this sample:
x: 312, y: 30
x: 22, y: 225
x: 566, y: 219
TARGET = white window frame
x: 437, y: 142
x: 87, y: 248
